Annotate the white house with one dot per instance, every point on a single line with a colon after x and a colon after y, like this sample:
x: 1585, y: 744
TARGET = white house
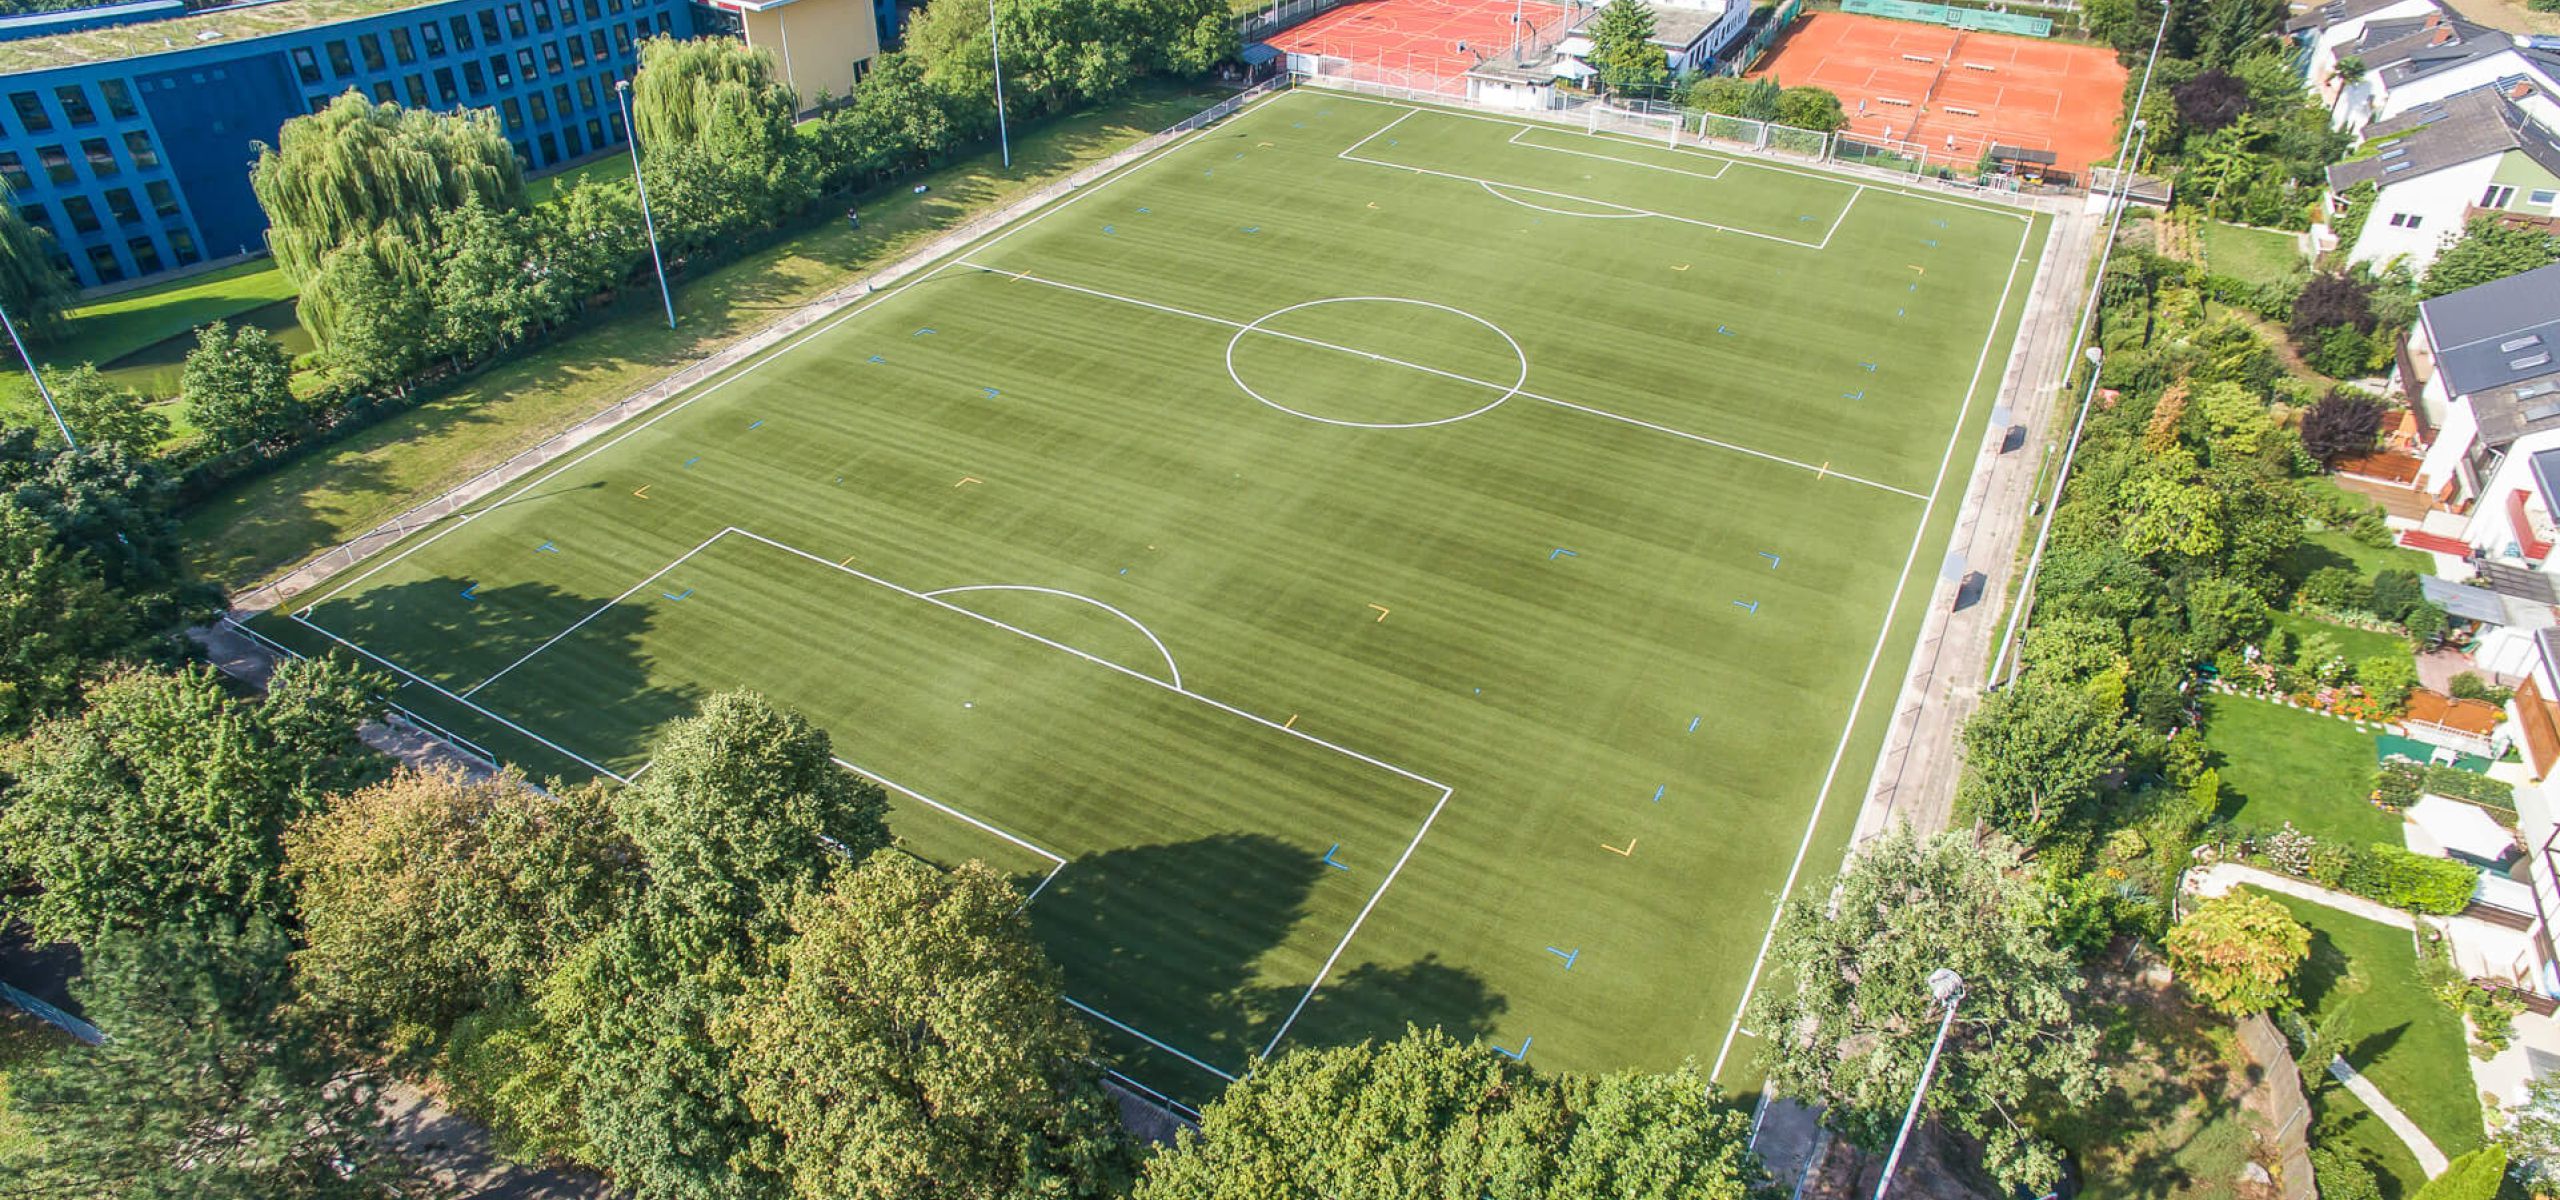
x: 1695, y: 33
x: 2438, y: 165
x: 2324, y: 29
x: 2409, y: 63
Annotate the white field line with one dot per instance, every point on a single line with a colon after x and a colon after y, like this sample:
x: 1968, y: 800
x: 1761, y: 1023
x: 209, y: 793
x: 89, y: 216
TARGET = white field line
x: 1526, y: 130
x: 1327, y: 969
x: 600, y: 610
x: 1495, y: 191
x: 1056, y: 860
x: 1169, y: 665
x: 1739, y: 160
x: 1844, y: 215
x: 1875, y: 656
x: 1701, y: 439
x: 439, y: 689
x: 1489, y: 184
x: 771, y: 355
x: 1108, y: 1019
x: 1128, y: 1081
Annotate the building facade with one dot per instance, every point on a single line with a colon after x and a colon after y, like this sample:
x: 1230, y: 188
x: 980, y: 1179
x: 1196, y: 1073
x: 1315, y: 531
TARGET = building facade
x: 140, y: 165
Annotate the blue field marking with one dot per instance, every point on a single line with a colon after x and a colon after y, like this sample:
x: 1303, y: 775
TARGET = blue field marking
x: 1143, y: 209
x: 1751, y: 606
x: 677, y: 595
x: 1773, y: 559
x: 1932, y: 243
x: 1567, y: 955
x: 1124, y: 570
x: 1915, y: 286
x: 755, y: 425
x: 1897, y: 312
x: 546, y: 548
x: 1561, y: 552
x: 921, y: 332
x: 1108, y: 229
x: 1801, y: 220
x: 1658, y: 790
x: 1693, y: 722
x: 876, y: 358
x: 1253, y: 229
x: 1725, y: 330
x: 1939, y: 223
x: 1871, y: 367
x: 1514, y: 1055
x: 1330, y: 861
x: 466, y: 592
x: 1860, y: 394
x: 688, y: 463
x: 991, y: 392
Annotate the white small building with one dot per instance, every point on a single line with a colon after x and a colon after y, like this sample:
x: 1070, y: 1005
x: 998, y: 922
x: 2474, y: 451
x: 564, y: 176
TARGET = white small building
x: 2439, y: 165
x: 1694, y: 34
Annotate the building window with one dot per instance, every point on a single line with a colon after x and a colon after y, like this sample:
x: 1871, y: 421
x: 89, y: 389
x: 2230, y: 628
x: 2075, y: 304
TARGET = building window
x: 164, y: 198
x: 382, y: 93
x: 417, y: 88
x: 489, y: 27
x: 340, y: 65
x: 319, y: 100
x: 524, y: 65
x: 569, y: 138
x: 119, y: 99
x: 31, y: 114
x: 524, y: 153
x: 433, y: 35
x: 2497, y: 196
x: 183, y: 245
x: 595, y: 11
x: 370, y: 46
x: 137, y: 146
x: 102, y: 161
x: 2404, y: 220
x: 75, y: 105
x: 445, y: 89
x: 498, y: 69
x: 102, y: 260
x: 514, y: 113
x: 403, y: 47
x: 587, y: 92
x: 461, y: 32
x: 2542, y: 197
x: 57, y: 165
x: 621, y: 40
x: 146, y: 257
x: 542, y: 16
x: 515, y: 19
x: 83, y: 215
x: 120, y: 205
x: 560, y: 97
x: 666, y: 25
x: 36, y: 216
x: 614, y: 7
x: 550, y: 148
x: 472, y: 78
x: 307, y: 65
x: 595, y: 133
x: 598, y: 45
x: 577, y: 51
x: 540, y: 107
x: 13, y: 172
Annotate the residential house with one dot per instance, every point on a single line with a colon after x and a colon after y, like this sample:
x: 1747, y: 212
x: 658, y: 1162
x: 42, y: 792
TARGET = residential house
x: 2327, y: 32
x: 2410, y: 63
x: 2441, y: 163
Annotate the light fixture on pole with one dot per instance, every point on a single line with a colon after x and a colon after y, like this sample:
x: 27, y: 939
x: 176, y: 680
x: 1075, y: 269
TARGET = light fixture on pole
x: 995, y: 55
x: 1946, y: 988
x: 38, y: 376
x: 622, y: 89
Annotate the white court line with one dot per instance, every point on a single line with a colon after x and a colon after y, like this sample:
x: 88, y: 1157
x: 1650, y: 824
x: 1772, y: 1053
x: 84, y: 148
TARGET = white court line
x: 1699, y: 438
x: 1134, y: 623
x: 1495, y: 190
x: 1345, y: 943
x: 1875, y: 657
x: 1108, y: 1019
x: 1348, y: 156
x: 654, y: 576
x: 1057, y: 862
x: 1526, y: 130
x: 439, y: 689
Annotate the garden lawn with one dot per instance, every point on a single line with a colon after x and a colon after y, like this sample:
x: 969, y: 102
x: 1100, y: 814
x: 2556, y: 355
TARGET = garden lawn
x: 260, y: 526
x: 2283, y: 764
x: 2407, y: 1042
x: 2256, y: 255
x: 2338, y: 548
x: 2357, y: 644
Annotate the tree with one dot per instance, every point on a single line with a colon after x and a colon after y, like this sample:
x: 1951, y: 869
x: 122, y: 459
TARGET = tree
x: 489, y: 290
x: 743, y: 812
x: 1853, y: 1019
x: 2474, y: 1176
x: 375, y: 298
x: 58, y: 619
x: 101, y: 412
x: 2340, y: 425
x: 205, y: 1086
x: 2329, y: 301
x: 1811, y: 108
x: 1622, y: 49
x: 2210, y: 101
x: 238, y: 385
x: 2032, y: 752
x: 430, y: 895
x: 165, y: 801
x: 2531, y: 1136
x: 915, y: 1042
x: 101, y: 500
x: 2237, y: 953
x: 715, y: 123
x: 1426, y: 1116
x: 32, y: 289
x: 2489, y: 250
x: 356, y: 169
x: 590, y: 237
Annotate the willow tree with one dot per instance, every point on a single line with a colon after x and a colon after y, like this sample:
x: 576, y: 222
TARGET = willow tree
x: 717, y: 139
x: 357, y: 171
x: 30, y: 287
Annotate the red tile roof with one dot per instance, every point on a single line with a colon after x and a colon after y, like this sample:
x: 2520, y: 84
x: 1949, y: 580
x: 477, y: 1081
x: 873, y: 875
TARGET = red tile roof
x: 2419, y: 539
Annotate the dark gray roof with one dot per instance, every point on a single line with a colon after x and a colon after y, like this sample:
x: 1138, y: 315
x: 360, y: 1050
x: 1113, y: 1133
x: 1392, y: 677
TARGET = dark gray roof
x: 2510, y: 411
x: 2468, y: 603
x: 2498, y: 335
x: 2513, y: 579
x: 2421, y: 53
x: 2458, y: 129
x: 1679, y: 26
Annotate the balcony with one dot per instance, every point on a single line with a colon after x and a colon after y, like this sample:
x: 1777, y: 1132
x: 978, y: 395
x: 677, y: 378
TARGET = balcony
x: 2532, y: 529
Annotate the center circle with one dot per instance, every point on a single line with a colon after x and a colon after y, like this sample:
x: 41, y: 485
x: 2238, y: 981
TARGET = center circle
x: 1259, y: 326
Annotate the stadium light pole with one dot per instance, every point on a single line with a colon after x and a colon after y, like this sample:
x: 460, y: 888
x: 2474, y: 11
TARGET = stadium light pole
x: 32, y: 373
x: 995, y: 55
x: 2080, y: 337
x: 622, y: 90
x: 1945, y: 988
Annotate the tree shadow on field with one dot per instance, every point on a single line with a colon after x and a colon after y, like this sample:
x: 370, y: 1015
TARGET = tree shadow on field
x: 1370, y: 1001
x: 591, y: 692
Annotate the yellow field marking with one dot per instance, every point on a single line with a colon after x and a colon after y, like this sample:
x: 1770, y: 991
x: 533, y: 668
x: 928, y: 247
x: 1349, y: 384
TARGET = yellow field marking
x: 1825, y: 471
x: 1293, y: 720
x: 1373, y: 204
x: 1916, y: 267
x: 966, y: 480
x: 1629, y: 852
x: 1382, y: 611
x: 1681, y: 267
x: 847, y: 559
x: 1262, y: 145
x: 643, y: 490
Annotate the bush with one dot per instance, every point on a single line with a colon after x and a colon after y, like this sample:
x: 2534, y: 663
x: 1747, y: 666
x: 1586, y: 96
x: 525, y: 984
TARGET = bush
x: 2341, y: 352
x: 2469, y: 686
x: 2337, y: 589
x: 2393, y: 594
x: 2342, y: 424
x: 2388, y: 678
x: 2407, y: 880
x: 2340, y: 1175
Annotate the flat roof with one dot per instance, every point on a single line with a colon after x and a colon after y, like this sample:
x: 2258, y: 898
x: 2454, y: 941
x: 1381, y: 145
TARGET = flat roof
x: 214, y: 27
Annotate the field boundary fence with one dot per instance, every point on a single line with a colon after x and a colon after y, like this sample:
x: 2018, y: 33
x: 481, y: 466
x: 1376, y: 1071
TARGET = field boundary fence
x: 1757, y: 43
x: 1951, y: 16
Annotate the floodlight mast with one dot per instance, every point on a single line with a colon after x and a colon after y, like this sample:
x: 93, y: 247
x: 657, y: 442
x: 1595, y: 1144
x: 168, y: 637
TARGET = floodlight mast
x: 32, y: 373
x: 622, y: 89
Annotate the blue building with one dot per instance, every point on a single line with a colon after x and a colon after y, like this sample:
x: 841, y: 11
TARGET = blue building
x: 132, y: 145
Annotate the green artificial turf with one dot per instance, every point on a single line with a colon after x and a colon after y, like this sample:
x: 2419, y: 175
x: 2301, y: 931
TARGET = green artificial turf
x: 1212, y: 674
x: 2282, y: 764
x: 2406, y: 1041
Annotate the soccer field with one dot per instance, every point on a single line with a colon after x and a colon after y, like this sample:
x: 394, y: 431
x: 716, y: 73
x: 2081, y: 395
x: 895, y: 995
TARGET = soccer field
x: 1360, y: 565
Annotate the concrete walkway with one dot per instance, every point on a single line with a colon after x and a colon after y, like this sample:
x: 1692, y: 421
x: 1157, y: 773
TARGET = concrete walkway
x: 2220, y: 878
x: 2430, y: 1159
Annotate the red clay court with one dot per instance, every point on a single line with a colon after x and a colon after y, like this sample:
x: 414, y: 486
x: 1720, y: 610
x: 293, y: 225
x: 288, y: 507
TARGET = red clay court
x: 1955, y: 92
x: 1426, y: 44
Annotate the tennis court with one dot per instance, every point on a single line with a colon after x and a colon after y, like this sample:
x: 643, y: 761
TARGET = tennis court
x: 1428, y: 45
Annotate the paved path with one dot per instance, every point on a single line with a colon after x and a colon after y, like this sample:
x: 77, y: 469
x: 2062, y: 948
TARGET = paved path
x: 2219, y: 878
x: 2430, y: 1159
